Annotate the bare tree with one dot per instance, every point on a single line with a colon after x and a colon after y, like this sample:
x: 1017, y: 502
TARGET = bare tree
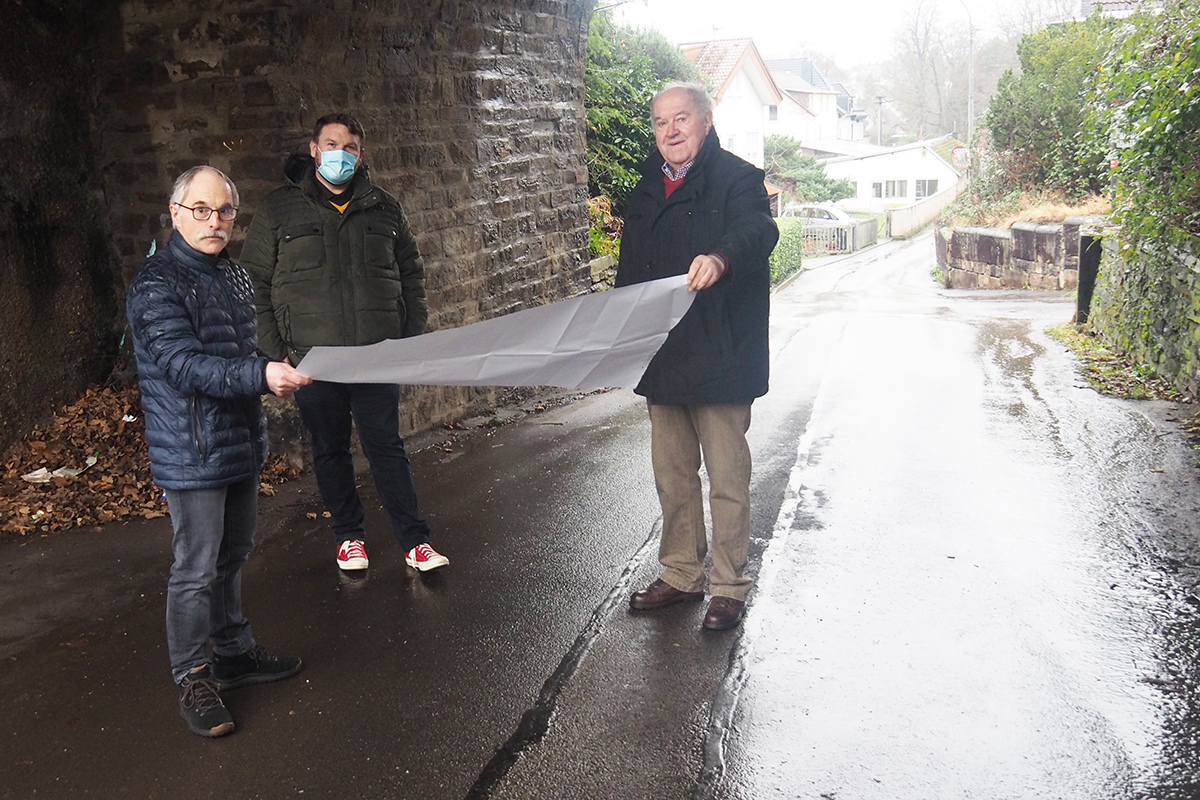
x: 917, y: 80
x: 1015, y: 18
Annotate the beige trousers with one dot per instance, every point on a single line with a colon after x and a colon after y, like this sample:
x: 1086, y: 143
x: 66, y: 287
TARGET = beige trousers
x: 679, y: 436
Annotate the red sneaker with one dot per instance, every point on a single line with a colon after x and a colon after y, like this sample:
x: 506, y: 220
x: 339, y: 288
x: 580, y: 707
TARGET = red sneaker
x: 424, y: 558
x: 352, y: 555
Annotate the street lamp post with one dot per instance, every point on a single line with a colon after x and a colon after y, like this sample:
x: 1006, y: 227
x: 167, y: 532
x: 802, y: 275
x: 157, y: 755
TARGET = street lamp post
x: 970, y: 80
x: 879, y: 122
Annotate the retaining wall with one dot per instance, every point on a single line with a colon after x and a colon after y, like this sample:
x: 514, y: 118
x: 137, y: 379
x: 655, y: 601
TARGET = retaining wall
x: 1028, y: 256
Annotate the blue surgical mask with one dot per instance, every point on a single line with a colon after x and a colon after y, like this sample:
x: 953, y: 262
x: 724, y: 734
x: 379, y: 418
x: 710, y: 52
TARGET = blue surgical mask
x: 337, y: 166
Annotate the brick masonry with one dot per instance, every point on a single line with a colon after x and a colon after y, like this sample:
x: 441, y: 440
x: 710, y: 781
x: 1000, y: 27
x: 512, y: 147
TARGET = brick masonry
x: 473, y: 112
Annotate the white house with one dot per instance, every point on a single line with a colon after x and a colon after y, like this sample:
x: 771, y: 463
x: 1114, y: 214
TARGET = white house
x: 814, y: 109
x: 743, y: 91
x: 897, y: 176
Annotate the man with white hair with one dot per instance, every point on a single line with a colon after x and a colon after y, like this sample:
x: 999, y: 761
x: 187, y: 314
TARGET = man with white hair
x: 191, y: 312
x: 701, y: 211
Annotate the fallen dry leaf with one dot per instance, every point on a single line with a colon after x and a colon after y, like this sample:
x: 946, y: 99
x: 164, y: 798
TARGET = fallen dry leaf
x: 105, y: 422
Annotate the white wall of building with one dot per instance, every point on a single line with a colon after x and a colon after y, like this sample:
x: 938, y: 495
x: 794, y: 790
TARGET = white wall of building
x: 818, y: 122
x: 893, y: 179
x: 791, y: 120
x: 740, y: 119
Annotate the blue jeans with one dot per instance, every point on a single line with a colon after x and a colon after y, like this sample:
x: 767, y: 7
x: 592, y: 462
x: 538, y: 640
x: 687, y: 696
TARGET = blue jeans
x: 327, y: 410
x: 214, y: 533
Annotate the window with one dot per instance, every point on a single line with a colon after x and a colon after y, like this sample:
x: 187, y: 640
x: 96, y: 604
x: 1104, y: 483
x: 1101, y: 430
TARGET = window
x: 897, y: 189
x: 773, y: 113
x: 854, y: 188
x: 877, y: 189
x: 926, y: 189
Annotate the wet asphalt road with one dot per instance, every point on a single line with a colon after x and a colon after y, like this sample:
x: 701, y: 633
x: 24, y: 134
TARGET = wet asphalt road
x: 978, y: 580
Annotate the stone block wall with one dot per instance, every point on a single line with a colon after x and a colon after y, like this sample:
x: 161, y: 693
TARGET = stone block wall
x: 60, y: 301
x: 1029, y: 256
x: 974, y: 258
x: 1147, y: 305
x: 473, y: 112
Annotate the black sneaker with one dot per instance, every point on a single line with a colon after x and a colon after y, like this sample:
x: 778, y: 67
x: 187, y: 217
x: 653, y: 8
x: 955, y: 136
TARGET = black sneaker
x: 252, y: 666
x: 201, y: 706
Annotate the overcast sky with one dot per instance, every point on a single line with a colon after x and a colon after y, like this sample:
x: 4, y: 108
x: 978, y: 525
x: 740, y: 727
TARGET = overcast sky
x: 853, y: 33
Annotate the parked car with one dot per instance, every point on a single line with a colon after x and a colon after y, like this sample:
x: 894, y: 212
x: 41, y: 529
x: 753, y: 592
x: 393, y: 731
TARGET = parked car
x: 815, y: 215
x: 826, y: 228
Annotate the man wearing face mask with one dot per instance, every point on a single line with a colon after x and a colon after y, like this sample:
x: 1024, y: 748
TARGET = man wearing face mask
x: 335, y: 263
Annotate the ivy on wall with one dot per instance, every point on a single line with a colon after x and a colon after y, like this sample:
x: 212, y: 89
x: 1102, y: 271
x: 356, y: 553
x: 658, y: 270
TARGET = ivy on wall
x: 1147, y: 103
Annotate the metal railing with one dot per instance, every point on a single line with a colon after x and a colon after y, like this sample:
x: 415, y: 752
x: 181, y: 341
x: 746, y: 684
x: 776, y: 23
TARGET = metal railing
x: 834, y: 239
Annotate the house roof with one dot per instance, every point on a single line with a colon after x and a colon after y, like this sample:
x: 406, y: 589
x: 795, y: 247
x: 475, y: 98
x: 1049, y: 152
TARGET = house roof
x: 791, y: 82
x: 799, y: 99
x: 941, y: 147
x: 802, y: 68
x: 844, y: 148
x: 719, y: 62
x: 1117, y: 8
x: 801, y: 75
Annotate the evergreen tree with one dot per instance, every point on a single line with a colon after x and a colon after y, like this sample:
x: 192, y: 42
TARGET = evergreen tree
x: 801, y: 177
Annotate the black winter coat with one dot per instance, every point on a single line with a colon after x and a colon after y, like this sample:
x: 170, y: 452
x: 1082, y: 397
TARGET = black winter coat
x: 201, y: 377
x: 718, y: 353
x: 327, y: 278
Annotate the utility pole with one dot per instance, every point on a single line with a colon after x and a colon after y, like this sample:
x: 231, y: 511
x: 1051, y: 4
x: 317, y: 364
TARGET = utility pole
x: 879, y: 121
x: 970, y: 88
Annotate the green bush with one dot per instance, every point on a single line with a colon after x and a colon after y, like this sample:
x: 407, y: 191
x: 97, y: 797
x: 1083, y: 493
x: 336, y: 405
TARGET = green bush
x: 802, y: 178
x: 789, y: 252
x: 1148, y: 106
x: 604, y: 229
x: 1035, y: 119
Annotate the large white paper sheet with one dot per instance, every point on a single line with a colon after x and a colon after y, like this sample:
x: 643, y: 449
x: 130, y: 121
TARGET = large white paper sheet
x: 598, y: 340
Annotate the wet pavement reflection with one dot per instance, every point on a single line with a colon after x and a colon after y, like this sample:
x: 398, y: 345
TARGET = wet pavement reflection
x: 978, y: 597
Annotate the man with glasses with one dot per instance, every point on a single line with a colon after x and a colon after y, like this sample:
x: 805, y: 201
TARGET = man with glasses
x: 335, y: 263
x: 191, y: 312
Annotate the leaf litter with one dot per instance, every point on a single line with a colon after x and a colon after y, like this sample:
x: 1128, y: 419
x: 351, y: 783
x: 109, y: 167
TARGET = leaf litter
x: 89, y: 465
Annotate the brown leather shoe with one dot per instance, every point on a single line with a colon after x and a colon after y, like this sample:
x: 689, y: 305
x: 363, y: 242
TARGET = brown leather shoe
x: 659, y: 594
x: 724, y: 613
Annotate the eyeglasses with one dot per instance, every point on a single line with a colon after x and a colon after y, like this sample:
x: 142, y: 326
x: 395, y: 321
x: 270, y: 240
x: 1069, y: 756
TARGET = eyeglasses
x: 202, y: 213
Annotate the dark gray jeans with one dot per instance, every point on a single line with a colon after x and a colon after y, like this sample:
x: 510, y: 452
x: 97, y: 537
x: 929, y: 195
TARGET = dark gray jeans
x: 327, y: 410
x: 214, y: 533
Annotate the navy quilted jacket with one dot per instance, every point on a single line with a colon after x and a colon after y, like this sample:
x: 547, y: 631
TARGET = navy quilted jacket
x: 199, y: 370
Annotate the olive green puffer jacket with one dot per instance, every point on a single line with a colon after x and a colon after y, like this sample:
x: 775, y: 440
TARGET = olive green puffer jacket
x: 327, y: 278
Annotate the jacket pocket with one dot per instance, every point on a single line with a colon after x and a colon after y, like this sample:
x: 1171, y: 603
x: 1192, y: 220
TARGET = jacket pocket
x: 379, y: 247
x: 198, y: 429
x: 706, y: 227
x: 301, y: 247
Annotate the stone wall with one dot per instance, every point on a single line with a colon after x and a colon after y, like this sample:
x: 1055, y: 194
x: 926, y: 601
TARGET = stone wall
x: 1029, y: 256
x: 473, y: 113
x: 1147, y: 305
x: 60, y: 303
